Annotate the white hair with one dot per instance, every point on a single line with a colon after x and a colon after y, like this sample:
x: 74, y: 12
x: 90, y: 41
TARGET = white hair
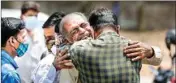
x: 65, y: 18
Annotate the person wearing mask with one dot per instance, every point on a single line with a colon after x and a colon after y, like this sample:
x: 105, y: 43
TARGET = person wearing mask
x: 14, y: 43
x: 40, y: 73
x: 26, y: 63
x: 29, y: 9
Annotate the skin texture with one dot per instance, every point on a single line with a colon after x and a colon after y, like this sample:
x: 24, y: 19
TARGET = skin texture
x: 136, y: 49
x: 13, y: 42
x: 77, y: 29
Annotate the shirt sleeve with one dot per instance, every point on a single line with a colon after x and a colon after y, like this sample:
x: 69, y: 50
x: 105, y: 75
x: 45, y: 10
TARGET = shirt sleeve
x: 45, y: 72
x: 11, y: 77
x: 156, y: 59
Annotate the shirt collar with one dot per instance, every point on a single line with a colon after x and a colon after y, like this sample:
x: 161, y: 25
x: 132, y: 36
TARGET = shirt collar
x: 8, y: 58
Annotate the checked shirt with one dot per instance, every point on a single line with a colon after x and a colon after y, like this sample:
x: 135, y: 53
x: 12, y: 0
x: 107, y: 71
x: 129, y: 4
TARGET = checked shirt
x: 102, y: 60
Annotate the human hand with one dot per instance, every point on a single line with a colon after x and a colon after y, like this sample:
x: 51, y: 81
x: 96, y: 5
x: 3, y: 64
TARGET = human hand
x: 60, y: 61
x: 138, y: 51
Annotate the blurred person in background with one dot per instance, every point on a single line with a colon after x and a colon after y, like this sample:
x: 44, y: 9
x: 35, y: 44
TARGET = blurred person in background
x: 14, y: 42
x: 28, y: 62
x: 29, y: 9
x: 170, y: 41
x: 165, y: 72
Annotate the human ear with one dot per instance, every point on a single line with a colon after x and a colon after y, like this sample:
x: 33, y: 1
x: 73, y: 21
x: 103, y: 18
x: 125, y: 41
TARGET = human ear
x: 118, y: 29
x: 12, y: 41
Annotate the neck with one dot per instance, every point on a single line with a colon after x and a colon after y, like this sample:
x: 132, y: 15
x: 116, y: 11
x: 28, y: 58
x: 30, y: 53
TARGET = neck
x: 9, y: 51
x: 105, y: 29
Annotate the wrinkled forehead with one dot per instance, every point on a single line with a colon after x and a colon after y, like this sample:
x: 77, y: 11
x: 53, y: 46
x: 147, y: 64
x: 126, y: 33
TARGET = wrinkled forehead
x: 73, y: 20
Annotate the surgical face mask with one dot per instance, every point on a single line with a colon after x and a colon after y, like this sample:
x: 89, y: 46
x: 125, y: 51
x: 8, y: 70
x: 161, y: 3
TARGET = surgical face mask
x: 21, y: 50
x: 32, y: 22
x: 23, y: 47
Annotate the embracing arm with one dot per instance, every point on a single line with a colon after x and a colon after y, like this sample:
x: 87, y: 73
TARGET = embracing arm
x: 141, y: 51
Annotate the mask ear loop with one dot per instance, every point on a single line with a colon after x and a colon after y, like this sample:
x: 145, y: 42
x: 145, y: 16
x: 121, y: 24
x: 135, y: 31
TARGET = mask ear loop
x: 12, y: 41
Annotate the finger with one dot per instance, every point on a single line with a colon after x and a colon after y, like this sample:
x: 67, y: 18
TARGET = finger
x: 60, y: 58
x: 63, y: 52
x: 132, y: 50
x: 138, y: 58
x: 132, y: 46
x: 64, y: 61
x: 133, y: 42
x: 69, y: 63
x: 65, y: 66
x: 57, y: 53
x: 134, y: 54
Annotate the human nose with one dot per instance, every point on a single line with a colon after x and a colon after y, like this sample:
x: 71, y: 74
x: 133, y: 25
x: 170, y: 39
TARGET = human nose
x: 81, y: 30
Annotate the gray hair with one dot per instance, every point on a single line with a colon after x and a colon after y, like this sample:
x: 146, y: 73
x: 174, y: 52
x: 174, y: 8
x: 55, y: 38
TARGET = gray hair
x: 62, y: 28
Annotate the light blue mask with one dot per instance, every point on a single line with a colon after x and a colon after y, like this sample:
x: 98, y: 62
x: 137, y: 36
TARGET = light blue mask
x: 21, y: 50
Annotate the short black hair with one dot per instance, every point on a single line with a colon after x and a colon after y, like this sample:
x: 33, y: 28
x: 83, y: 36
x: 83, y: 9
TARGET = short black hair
x: 10, y: 27
x: 102, y: 17
x: 170, y: 37
x: 54, y: 20
x: 29, y: 5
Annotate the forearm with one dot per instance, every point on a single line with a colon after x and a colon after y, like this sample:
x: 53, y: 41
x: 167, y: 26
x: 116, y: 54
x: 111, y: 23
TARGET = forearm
x: 155, y: 59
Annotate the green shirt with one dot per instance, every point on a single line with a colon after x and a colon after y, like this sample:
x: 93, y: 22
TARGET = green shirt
x: 102, y: 60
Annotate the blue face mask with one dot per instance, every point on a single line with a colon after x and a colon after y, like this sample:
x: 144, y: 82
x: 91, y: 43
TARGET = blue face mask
x: 21, y: 50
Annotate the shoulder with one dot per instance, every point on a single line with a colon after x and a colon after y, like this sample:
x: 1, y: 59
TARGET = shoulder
x: 82, y: 44
x: 9, y: 74
x: 124, y: 40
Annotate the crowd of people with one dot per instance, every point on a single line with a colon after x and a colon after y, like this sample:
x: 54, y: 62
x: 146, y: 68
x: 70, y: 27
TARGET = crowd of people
x: 71, y: 48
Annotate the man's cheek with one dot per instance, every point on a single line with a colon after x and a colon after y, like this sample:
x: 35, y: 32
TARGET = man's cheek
x: 76, y: 37
x: 91, y: 32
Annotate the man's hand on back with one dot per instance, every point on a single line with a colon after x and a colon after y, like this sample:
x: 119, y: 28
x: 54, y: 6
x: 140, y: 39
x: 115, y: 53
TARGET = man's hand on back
x: 60, y: 61
x: 138, y: 51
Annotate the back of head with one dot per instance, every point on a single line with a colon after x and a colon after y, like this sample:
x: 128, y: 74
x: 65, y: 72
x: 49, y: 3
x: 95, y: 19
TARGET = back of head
x: 102, y: 17
x: 29, y: 6
x: 10, y: 27
x: 54, y: 20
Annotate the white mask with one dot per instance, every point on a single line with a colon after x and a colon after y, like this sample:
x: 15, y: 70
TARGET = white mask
x: 31, y: 22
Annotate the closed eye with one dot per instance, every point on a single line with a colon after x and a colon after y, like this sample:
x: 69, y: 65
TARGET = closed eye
x: 75, y: 30
x: 83, y: 25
